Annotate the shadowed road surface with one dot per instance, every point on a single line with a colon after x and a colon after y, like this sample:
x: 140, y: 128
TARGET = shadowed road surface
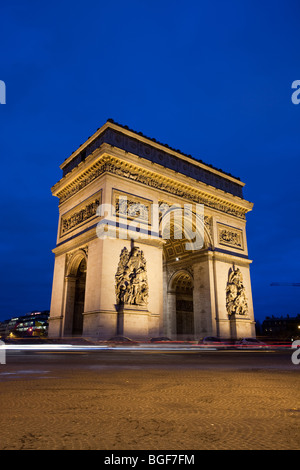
x: 157, y: 399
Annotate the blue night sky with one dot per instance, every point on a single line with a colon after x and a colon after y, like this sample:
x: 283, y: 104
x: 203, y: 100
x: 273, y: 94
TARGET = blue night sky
x: 211, y: 78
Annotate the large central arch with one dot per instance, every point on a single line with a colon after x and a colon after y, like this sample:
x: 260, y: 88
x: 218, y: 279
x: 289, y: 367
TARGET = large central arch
x: 77, y: 326
x: 185, y: 242
x: 181, y: 311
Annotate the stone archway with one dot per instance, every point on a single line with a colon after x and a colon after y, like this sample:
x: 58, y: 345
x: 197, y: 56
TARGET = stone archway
x: 180, y: 306
x: 184, y: 306
x: 79, y: 296
x: 185, y: 243
x: 166, y: 201
x: 75, y: 286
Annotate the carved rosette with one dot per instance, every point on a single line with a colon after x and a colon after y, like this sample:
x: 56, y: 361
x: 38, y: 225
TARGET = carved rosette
x: 236, y: 301
x: 131, y: 284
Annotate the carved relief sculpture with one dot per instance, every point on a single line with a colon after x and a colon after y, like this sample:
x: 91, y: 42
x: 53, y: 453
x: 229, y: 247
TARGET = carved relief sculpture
x: 132, y: 207
x: 131, y: 278
x: 230, y: 237
x: 236, y: 301
x: 77, y: 218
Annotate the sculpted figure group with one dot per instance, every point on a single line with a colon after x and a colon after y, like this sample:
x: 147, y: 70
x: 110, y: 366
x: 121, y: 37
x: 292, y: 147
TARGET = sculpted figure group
x: 236, y: 302
x: 131, y: 278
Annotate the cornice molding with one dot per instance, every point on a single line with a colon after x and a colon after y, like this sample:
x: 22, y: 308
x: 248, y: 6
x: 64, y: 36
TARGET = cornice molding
x: 108, y: 164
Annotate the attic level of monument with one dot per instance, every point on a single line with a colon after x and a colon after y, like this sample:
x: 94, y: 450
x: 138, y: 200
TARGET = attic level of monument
x: 121, y: 137
x: 150, y: 166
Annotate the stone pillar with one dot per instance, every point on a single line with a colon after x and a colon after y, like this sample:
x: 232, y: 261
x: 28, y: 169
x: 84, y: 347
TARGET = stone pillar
x: 164, y: 328
x: 136, y: 321
x: 203, y: 298
x: 233, y: 326
x: 69, y: 299
x: 171, y: 330
x: 241, y: 326
x: 57, y: 298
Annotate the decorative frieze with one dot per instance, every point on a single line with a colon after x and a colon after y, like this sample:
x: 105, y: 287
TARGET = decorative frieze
x: 132, y: 207
x: 131, y: 172
x: 78, y: 216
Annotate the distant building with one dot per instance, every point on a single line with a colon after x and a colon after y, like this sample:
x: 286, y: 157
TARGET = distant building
x: 3, y: 328
x: 32, y: 324
x: 281, y: 327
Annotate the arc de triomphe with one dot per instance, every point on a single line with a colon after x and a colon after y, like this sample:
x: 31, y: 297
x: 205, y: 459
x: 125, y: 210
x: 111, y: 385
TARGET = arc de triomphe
x: 150, y: 242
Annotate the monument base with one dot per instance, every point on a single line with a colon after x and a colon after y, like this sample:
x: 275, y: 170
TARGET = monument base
x: 241, y: 326
x: 133, y: 321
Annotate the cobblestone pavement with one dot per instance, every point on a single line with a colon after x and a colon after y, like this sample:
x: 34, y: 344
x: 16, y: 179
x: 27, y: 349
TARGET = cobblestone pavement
x: 148, y: 405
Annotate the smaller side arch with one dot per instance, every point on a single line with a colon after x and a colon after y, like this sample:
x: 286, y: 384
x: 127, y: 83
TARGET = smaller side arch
x: 181, y: 273
x: 180, y: 306
x: 74, y: 261
x: 75, y: 286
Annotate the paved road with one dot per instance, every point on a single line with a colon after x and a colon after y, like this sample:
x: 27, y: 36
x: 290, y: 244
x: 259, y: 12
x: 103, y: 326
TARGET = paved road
x: 22, y: 362
x: 149, y: 400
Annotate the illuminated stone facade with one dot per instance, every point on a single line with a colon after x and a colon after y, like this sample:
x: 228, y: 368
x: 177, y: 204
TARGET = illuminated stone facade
x: 136, y: 281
